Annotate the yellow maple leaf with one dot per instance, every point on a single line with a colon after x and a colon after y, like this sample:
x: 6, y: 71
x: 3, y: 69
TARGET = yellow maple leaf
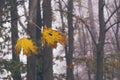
x: 51, y: 37
x: 27, y: 45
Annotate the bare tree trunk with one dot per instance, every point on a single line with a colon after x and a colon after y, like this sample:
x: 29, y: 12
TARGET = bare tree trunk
x: 93, y: 30
x: 14, y: 35
x: 118, y: 24
x: 38, y: 37
x: 117, y: 3
x: 92, y: 25
x: 31, y: 60
x: 101, y: 42
x: 69, y: 54
x: 47, y: 52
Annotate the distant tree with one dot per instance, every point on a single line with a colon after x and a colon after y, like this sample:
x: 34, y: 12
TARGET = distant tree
x: 69, y: 54
x: 14, y: 36
x: 92, y: 24
x: 47, y: 52
x: 38, y: 40
x: 101, y: 41
x: 31, y: 60
x: 93, y: 30
x: 117, y: 33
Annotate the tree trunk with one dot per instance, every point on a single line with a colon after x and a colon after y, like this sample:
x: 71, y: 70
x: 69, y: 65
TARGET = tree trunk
x: 38, y: 37
x: 31, y: 60
x: 101, y: 42
x: 117, y: 37
x: 47, y: 52
x: 14, y: 36
x: 92, y: 25
x: 93, y: 30
x: 117, y: 29
x: 69, y: 55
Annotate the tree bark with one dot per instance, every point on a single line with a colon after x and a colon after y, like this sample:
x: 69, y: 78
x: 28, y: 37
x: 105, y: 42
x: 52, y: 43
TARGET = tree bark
x: 47, y: 52
x: 38, y: 38
x: 14, y: 36
x: 101, y: 42
x: 69, y: 55
x: 117, y: 36
x: 31, y: 60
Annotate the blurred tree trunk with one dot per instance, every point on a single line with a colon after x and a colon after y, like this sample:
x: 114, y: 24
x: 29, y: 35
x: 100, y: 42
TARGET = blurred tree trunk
x: 117, y: 3
x: 2, y: 2
x: 31, y: 60
x: 38, y: 37
x: 118, y: 24
x: 14, y: 36
x: 92, y: 25
x: 101, y: 42
x: 47, y: 52
x: 93, y: 30
x: 69, y: 54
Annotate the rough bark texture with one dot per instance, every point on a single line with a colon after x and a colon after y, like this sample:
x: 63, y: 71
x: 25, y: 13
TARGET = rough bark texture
x: 31, y: 60
x: 14, y: 36
x: 69, y: 54
x: 47, y: 52
x: 101, y: 41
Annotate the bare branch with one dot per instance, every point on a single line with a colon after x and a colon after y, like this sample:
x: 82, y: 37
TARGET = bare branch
x: 87, y: 26
x: 21, y: 24
x: 112, y: 25
x: 112, y: 14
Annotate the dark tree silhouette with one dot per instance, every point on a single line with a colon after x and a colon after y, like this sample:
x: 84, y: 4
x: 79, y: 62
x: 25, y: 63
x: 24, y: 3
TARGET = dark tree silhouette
x: 31, y: 60
x: 47, y: 52
x: 101, y: 41
x: 14, y: 36
x: 69, y: 54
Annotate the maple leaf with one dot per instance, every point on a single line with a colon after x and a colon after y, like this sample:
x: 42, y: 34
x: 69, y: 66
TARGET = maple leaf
x: 51, y: 37
x: 27, y: 45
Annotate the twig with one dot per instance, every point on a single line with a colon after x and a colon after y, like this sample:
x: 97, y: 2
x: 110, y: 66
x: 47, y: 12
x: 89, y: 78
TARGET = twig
x: 34, y: 24
x: 112, y: 25
x: 112, y: 14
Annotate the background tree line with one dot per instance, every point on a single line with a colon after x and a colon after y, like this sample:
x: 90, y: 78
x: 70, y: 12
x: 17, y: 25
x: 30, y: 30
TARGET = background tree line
x: 92, y: 30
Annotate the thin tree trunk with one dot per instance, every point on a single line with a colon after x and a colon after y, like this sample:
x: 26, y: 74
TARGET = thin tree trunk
x: 93, y: 30
x: 117, y: 29
x: 47, y: 52
x: 117, y: 36
x: 101, y: 42
x: 69, y: 54
x: 31, y: 60
x: 38, y: 37
x: 14, y: 35
x: 92, y: 25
